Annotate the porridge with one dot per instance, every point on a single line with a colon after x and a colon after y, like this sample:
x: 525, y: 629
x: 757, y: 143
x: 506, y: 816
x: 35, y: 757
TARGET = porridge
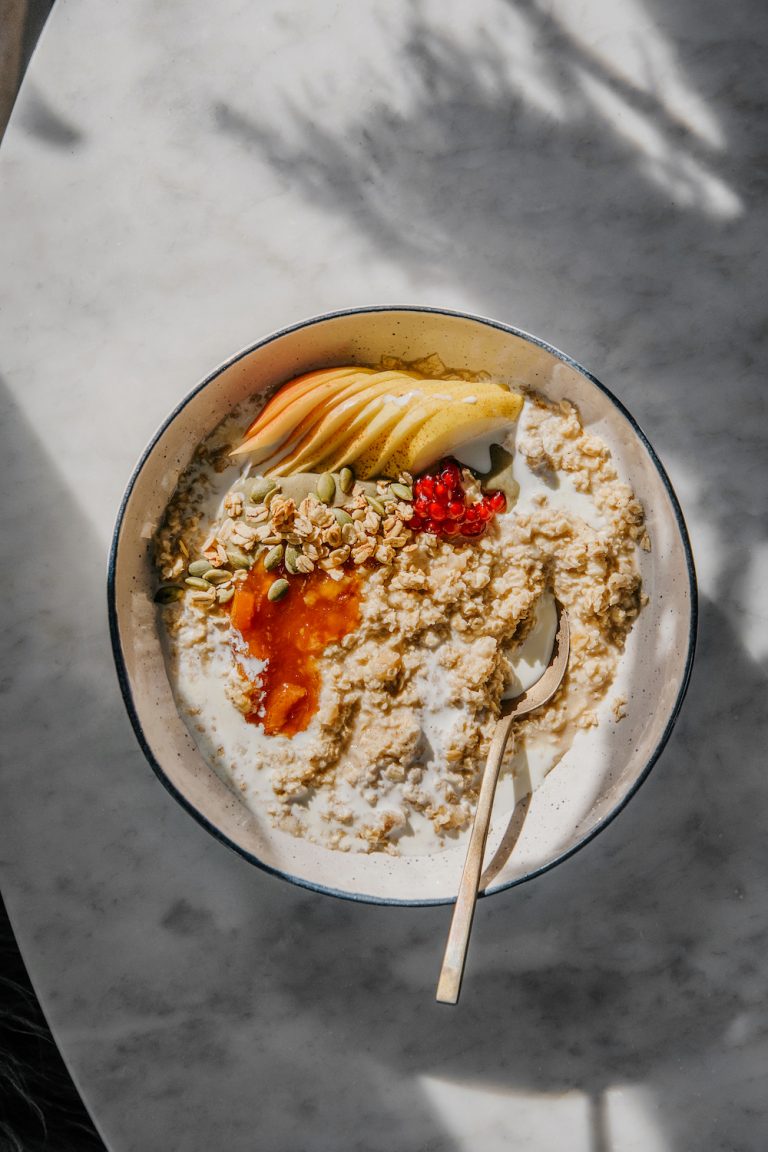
x: 351, y: 589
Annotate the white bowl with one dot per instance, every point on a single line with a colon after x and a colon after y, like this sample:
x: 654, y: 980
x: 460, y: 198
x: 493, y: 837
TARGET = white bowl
x: 605, y: 765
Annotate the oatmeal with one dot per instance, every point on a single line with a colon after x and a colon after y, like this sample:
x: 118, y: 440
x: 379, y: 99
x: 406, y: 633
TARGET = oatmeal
x: 345, y: 612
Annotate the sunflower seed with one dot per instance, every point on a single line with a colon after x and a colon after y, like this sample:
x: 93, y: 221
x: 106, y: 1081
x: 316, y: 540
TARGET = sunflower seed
x: 273, y: 557
x: 197, y: 582
x: 291, y: 559
x: 217, y: 575
x: 199, y: 567
x: 277, y: 590
x: 237, y: 558
x: 326, y: 488
x: 261, y: 489
x: 168, y: 594
x: 346, y: 480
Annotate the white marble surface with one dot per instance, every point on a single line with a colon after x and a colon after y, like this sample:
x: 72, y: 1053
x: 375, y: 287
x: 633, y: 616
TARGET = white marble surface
x: 177, y: 180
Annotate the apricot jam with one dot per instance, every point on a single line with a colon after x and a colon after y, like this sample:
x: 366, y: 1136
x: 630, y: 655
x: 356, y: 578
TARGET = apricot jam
x: 288, y: 634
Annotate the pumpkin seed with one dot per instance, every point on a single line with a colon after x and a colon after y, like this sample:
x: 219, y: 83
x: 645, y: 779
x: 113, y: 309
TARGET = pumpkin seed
x: 273, y: 557
x: 199, y: 567
x: 342, y: 517
x: 326, y: 488
x: 261, y: 489
x: 277, y: 590
x: 217, y: 575
x: 292, y: 554
x: 237, y: 557
x: 376, y: 505
x: 346, y: 480
x: 168, y: 594
x: 197, y: 582
x: 224, y: 595
x: 402, y: 491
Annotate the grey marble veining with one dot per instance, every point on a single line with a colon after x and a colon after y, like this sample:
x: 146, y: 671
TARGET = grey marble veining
x: 176, y: 182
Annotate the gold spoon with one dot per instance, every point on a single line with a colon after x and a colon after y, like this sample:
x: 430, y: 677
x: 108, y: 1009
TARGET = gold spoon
x: 449, y: 984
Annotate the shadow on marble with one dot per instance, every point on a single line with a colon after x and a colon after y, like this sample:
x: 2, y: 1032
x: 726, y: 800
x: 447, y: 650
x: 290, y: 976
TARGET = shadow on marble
x: 37, y: 117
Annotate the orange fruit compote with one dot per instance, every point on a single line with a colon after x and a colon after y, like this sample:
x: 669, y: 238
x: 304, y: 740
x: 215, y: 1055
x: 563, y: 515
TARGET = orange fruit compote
x: 288, y: 635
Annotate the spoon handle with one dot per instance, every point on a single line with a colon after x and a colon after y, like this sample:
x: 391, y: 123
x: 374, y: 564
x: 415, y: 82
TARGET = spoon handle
x: 449, y: 984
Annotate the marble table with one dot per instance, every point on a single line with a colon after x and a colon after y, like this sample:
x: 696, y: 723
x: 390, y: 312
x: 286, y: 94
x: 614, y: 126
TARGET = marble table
x: 179, y: 179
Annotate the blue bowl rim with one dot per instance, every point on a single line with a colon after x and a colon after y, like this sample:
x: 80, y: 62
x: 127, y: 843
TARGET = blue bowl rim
x: 122, y: 673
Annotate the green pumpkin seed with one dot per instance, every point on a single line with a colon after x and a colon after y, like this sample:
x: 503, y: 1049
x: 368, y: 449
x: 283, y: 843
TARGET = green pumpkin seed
x: 346, y: 480
x: 273, y: 557
x: 168, y: 594
x: 261, y: 489
x: 197, y: 582
x: 376, y: 505
x: 292, y: 554
x: 237, y: 558
x: 277, y: 590
x: 326, y: 488
x: 199, y: 567
x: 224, y: 595
x: 402, y: 491
x: 217, y: 575
x: 342, y: 517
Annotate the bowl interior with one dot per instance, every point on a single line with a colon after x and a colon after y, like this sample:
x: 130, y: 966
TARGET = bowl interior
x: 604, y: 765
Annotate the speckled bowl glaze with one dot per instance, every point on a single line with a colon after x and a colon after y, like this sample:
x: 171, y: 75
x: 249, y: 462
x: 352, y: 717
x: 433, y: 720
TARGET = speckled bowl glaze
x: 605, y: 765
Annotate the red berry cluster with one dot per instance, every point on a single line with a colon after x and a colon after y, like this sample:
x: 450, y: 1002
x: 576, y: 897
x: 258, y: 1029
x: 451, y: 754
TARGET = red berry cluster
x: 440, y: 504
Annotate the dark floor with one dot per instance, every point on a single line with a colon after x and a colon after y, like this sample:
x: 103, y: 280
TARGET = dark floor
x: 40, y: 1110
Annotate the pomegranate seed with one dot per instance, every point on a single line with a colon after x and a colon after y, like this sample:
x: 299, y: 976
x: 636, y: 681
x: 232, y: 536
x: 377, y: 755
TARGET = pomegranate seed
x: 439, y: 506
x: 450, y: 476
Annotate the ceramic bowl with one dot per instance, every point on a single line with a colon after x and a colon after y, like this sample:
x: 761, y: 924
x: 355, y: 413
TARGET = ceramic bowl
x: 605, y: 765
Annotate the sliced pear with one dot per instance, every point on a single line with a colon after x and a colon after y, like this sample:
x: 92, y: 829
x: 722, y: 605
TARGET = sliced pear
x: 296, y: 400
x: 279, y: 430
x: 438, y: 394
x: 289, y: 391
x: 318, y: 434
x: 370, y: 424
x: 494, y: 409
